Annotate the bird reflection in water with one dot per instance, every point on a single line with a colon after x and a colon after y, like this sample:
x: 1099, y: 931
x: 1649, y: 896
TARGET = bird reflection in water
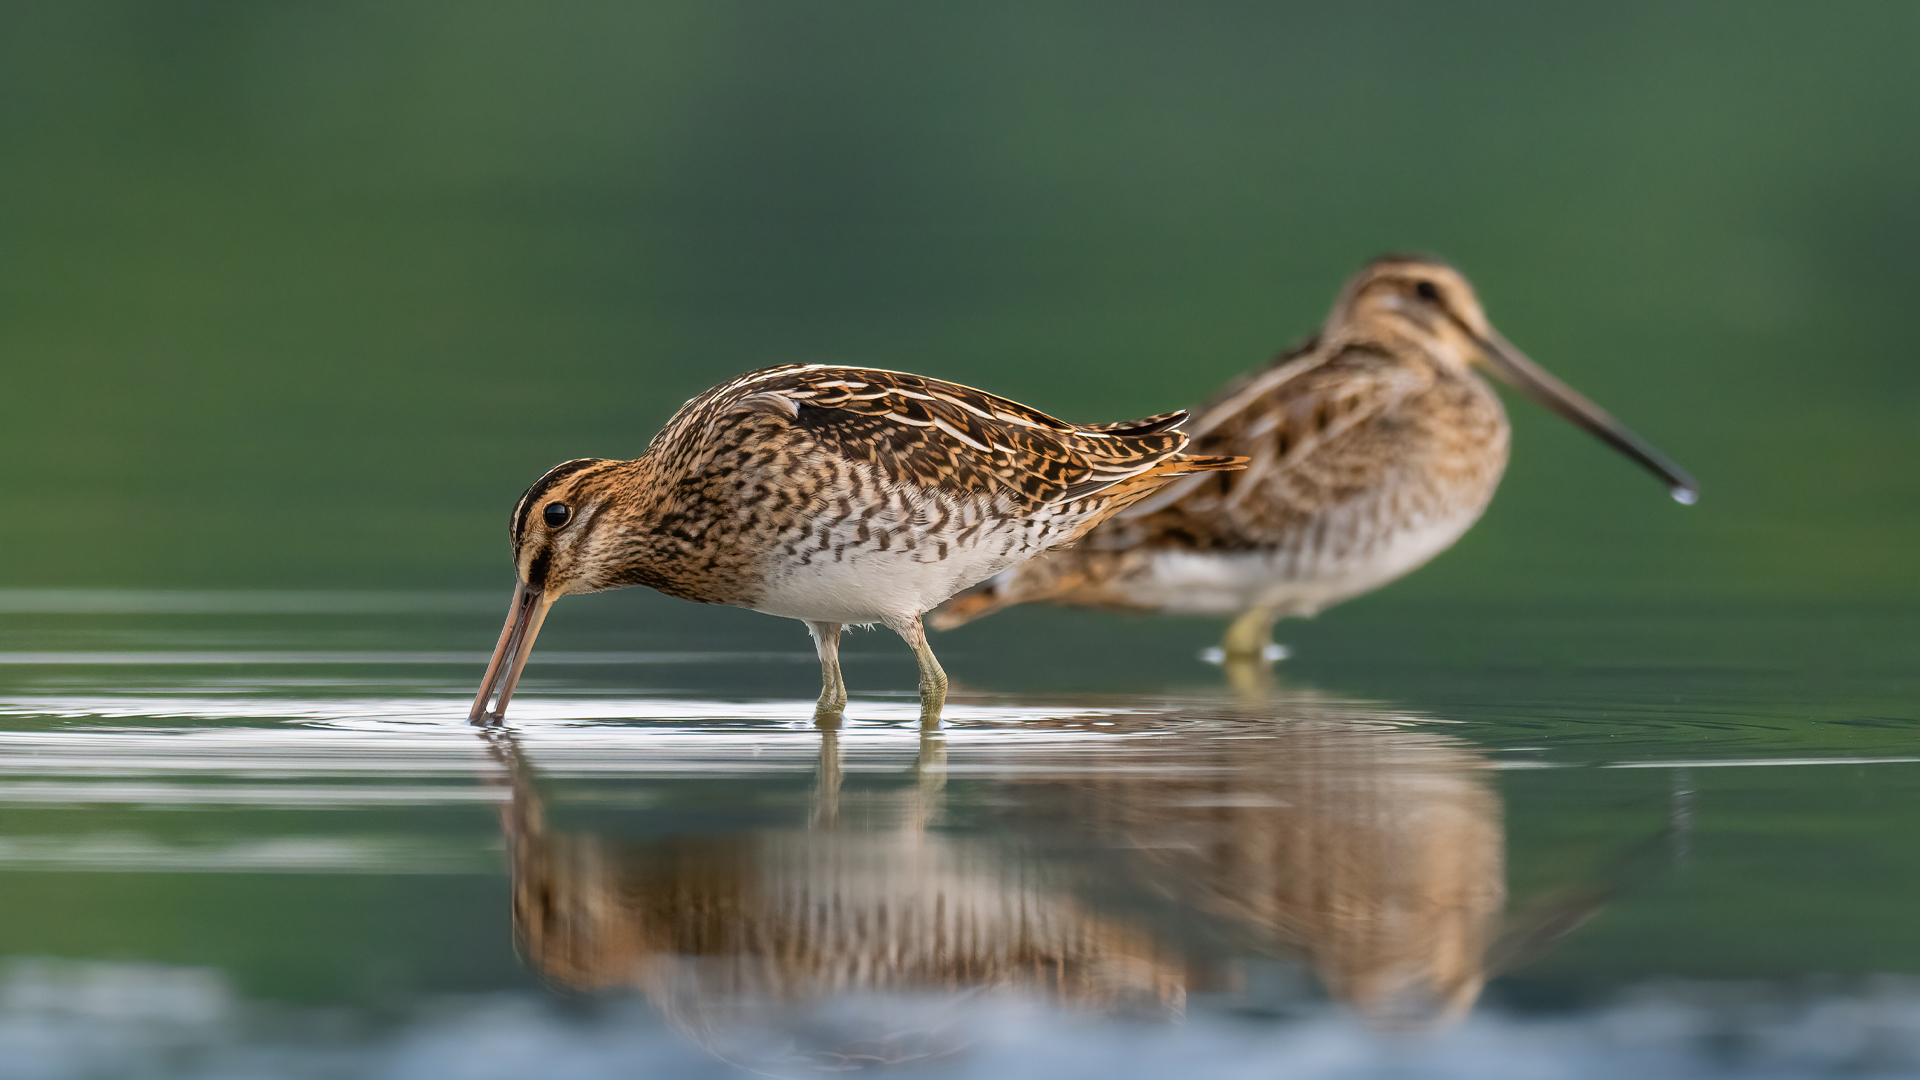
x: 1372, y: 853
x: 828, y: 948
x: 1132, y: 858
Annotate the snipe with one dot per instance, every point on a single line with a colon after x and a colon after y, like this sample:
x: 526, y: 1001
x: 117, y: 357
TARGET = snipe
x: 1372, y: 447
x: 832, y: 495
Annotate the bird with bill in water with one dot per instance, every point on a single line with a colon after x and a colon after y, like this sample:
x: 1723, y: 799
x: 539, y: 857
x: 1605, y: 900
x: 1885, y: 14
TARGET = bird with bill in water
x: 1372, y: 446
x: 831, y: 495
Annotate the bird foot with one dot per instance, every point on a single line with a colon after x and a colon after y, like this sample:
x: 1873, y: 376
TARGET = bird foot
x: 933, y: 699
x: 827, y: 712
x: 1219, y: 656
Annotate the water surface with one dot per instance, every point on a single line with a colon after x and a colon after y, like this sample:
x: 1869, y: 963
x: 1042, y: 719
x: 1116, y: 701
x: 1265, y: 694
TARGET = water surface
x: 251, y: 834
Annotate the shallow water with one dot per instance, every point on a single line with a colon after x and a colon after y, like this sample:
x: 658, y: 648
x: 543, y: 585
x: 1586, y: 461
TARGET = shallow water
x: 252, y: 835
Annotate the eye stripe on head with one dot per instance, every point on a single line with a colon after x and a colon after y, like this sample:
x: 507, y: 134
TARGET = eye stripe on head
x: 523, y: 509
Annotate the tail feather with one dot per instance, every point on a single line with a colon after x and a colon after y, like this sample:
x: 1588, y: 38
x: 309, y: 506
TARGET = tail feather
x: 1169, y: 468
x: 1125, y: 493
x: 1146, y: 425
x: 1057, y: 573
x: 1183, y: 464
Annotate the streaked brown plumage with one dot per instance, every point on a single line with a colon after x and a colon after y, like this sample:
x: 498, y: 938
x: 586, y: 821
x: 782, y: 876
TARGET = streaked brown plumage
x: 1372, y: 447
x: 832, y: 495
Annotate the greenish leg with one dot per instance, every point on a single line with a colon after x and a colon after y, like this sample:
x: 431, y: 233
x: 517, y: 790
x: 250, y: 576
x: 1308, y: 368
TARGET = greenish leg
x: 833, y: 689
x: 933, y: 681
x: 1247, y: 639
x: 1251, y: 680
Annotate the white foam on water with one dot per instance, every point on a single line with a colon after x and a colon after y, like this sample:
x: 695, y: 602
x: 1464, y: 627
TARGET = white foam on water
x: 68, y: 1020
x: 287, y: 738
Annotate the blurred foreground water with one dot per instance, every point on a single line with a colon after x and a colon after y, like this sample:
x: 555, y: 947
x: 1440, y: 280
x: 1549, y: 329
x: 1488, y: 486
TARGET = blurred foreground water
x: 252, y: 835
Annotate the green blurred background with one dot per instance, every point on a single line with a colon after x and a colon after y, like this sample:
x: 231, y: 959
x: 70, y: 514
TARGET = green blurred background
x: 302, y: 295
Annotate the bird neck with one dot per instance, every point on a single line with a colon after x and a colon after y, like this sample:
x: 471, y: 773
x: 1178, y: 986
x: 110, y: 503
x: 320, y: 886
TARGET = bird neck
x: 659, y: 531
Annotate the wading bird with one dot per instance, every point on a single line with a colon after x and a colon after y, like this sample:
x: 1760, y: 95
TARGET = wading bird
x: 832, y: 495
x: 1372, y: 447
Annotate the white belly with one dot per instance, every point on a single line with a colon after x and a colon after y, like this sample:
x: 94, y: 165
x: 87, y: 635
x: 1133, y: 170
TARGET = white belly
x: 840, y: 574
x: 870, y: 586
x: 1294, y: 582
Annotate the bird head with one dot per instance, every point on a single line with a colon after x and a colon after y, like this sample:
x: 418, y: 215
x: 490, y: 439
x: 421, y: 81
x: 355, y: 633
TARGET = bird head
x: 560, y: 531
x: 1435, y: 308
x: 1423, y: 300
x: 559, y: 528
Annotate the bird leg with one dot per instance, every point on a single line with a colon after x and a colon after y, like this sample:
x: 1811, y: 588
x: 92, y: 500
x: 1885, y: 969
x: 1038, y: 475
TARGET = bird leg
x: 933, y: 681
x: 1251, y: 680
x: 1250, y: 635
x: 833, y: 689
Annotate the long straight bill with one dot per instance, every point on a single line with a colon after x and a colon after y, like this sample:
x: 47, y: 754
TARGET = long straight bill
x: 524, y: 616
x: 1539, y: 384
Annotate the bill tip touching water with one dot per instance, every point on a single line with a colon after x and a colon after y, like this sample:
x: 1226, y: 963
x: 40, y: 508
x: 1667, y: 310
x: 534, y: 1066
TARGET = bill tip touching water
x: 831, y: 495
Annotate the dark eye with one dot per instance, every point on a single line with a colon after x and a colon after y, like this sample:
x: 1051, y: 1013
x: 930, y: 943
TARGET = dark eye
x: 557, y: 514
x: 1426, y: 290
